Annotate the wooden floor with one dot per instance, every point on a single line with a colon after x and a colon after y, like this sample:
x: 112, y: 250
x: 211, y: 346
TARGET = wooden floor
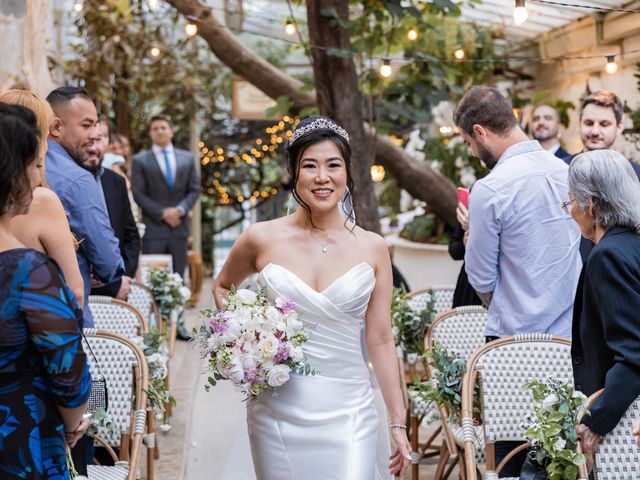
x: 206, y: 426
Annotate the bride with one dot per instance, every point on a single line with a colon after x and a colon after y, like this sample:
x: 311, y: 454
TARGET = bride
x: 324, y: 426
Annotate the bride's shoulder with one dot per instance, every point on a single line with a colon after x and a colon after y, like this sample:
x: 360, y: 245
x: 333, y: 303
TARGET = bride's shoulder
x: 373, y: 242
x: 265, y: 231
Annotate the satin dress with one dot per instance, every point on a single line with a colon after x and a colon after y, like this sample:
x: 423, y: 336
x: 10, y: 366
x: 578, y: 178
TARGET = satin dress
x: 328, y: 426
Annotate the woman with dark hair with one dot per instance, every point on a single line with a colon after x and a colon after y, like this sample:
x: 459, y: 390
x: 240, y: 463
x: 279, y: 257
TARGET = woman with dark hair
x: 44, y: 376
x: 325, y: 426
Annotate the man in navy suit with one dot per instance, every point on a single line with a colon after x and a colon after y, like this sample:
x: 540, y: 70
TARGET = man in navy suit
x: 545, y: 124
x: 166, y: 186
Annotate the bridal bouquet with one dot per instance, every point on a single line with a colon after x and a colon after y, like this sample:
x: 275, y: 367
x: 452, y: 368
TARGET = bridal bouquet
x: 253, y: 343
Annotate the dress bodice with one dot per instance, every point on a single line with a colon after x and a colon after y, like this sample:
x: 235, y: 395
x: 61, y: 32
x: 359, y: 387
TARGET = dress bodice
x: 334, y: 317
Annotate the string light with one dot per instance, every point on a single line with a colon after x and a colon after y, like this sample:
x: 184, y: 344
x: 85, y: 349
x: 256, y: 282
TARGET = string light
x: 155, y: 52
x: 290, y: 27
x: 459, y: 53
x: 612, y: 66
x: 377, y: 173
x: 385, y: 68
x: 78, y: 6
x: 520, y: 13
x: 153, y: 4
x: 191, y: 29
x: 445, y: 130
x: 412, y: 34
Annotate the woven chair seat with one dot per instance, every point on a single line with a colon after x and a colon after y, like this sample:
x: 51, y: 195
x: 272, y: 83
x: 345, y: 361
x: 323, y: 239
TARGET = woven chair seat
x: 419, y: 300
x: 99, y: 472
x: 141, y: 297
x: 116, y: 316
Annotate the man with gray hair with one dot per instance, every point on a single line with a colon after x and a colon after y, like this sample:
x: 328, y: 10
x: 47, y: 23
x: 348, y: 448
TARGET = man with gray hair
x: 522, y: 252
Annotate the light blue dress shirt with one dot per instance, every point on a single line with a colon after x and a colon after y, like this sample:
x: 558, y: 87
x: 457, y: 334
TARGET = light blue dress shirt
x: 99, y: 253
x: 522, y: 246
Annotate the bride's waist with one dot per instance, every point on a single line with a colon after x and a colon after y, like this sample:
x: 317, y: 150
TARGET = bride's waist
x: 338, y: 367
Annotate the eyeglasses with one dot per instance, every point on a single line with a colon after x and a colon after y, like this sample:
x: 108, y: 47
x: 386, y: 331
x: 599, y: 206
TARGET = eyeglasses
x: 565, y: 205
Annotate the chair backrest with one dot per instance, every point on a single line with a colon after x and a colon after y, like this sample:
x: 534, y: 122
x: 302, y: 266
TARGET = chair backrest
x: 125, y: 370
x: 503, y: 367
x: 141, y: 297
x: 617, y: 456
x: 419, y: 300
x: 460, y: 330
x: 116, y: 316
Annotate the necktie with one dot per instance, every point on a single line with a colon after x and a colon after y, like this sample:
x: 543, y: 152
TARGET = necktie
x: 168, y: 174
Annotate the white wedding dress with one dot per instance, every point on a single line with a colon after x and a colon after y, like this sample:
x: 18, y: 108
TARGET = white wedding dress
x: 328, y: 426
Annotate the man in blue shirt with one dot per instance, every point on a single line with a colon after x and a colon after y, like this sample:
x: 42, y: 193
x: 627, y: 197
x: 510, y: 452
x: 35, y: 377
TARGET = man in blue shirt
x: 72, y: 134
x: 522, y: 253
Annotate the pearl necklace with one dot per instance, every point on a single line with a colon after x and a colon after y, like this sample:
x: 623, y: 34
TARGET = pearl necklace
x: 323, y: 245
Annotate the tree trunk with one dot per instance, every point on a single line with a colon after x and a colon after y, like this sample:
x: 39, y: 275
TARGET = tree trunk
x: 33, y: 53
x: 339, y: 97
x: 412, y: 175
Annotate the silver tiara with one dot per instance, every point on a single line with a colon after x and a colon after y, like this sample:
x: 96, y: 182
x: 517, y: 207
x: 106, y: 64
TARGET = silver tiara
x: 321, y: 123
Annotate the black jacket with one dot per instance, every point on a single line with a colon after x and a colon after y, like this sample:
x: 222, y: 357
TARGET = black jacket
x: 123, y: 224
x: 561, y: 153
x: 606, y: 329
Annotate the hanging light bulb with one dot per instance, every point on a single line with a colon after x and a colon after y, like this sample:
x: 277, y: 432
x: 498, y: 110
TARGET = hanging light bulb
x: 385, y: 68
x: 78, y: 6
x: 459, y: 53
x: 155, y: 52
x: 520, y: 13
x: 290, y: 27
x: 412, y: 34
x: 191, y: 29
x: 377, y: 173
x: 612, y: 66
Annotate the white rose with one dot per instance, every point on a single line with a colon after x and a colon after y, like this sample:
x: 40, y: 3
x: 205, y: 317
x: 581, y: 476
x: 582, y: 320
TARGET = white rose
x: 247, y: 297
x: 235, y: 371
x: 297, y: 354
x: 278, y: 375
x: 549, y: 402
x: 293, y: 325
x: 268, y: 345
x: 185, y: 293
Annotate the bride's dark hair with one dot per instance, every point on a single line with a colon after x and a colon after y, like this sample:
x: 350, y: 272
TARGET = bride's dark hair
x: 296, y: 148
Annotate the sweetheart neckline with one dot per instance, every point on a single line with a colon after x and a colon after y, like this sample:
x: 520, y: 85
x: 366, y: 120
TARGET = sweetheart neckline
x: 322, y: 292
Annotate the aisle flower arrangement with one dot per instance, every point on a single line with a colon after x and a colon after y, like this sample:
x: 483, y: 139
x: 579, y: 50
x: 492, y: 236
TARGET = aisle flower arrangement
x: 154, y: 347
x: 408, y: 325
x: 551, y: 428
x: 445, y: 386
x: 168, y: 289
x: 253, y: 343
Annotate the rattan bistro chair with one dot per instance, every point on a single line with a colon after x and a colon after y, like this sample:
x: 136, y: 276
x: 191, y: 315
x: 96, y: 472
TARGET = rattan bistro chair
x: 459, y: 331
x: 141, y: 297
x: 618, y: 456
x: 116, y: 316
x: 419, y: 299
x: 503, y: 367
x: 125, y: 369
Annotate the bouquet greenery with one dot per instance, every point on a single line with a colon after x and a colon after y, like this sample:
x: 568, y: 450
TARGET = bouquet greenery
x: 409, y: 326
x: 551, y: 428
x: 445, y: 386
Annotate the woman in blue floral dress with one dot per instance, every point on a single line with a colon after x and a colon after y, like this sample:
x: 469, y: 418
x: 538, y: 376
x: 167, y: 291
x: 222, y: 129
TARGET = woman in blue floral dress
x: 44, y: 376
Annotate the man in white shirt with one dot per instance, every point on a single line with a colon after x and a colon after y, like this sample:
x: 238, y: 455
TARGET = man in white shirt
x: 166, y: 186
x: 522, y: 253
x: 545, y: 125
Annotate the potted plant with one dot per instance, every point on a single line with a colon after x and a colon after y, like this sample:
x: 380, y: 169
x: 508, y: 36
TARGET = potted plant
x: 409, y: 326
x: 551, y: 430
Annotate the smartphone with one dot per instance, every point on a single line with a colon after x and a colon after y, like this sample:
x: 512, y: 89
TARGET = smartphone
x: 463, y: 196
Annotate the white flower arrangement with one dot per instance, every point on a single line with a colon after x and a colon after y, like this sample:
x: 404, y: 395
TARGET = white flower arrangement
x: 255, y: 344
x: 168, y: 290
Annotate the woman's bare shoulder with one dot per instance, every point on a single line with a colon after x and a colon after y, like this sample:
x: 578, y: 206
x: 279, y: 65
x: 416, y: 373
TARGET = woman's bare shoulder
x: 46, y: 202
x: 372, y: 245
x: 267, y: 230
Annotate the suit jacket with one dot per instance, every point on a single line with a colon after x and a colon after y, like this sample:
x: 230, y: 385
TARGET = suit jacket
x: 116, y: 197
x: 151, y: 193
x: 605, y: 347
x: 561, y: 153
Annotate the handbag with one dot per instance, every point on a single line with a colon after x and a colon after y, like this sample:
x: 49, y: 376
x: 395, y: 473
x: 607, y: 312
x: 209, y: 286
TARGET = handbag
x: 99, y: 393
x: 532, y: 470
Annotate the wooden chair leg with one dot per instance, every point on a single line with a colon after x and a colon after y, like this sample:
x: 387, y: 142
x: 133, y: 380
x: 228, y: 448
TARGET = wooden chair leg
x: 451, y: 466
x: 414, y: 425
x: 442, y: 462
x: 151, y: 444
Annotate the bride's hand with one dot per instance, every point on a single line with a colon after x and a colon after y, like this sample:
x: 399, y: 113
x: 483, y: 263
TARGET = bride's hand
x: 401, y: 457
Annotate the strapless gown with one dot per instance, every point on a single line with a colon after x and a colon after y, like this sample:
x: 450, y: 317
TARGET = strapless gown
x: 329, y: 426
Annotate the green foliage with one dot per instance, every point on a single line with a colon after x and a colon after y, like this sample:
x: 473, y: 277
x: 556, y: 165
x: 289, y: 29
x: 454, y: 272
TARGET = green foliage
x: 452, y: 158
x: 409, y: 326
x: 101, y: 419
x: 551, y: 428
x: 425, y: 229
x: 445, y: 387
x: 168, y: 290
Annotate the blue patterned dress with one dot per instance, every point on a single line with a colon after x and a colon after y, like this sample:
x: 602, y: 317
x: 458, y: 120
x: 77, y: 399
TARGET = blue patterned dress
x: 42, y: 364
